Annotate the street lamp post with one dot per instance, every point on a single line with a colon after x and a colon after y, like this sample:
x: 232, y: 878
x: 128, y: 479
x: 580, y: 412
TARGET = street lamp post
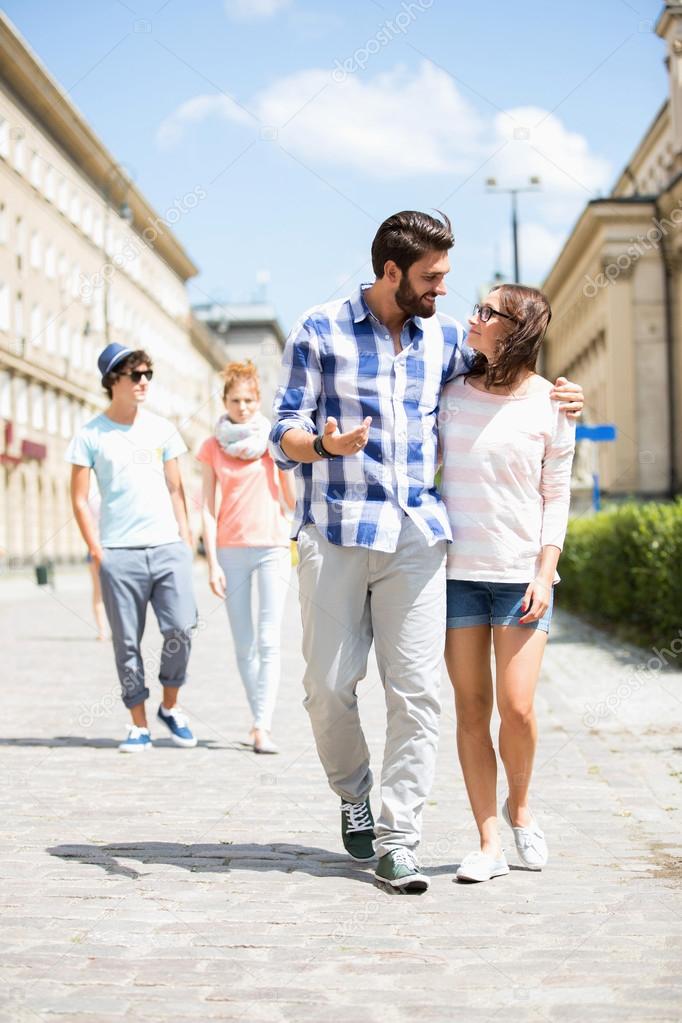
x: 123, y: 210
x: 532, y: 186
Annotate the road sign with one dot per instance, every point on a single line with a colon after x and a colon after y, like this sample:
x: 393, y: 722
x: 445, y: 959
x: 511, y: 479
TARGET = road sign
x: 597, y: 434
x: 601, y: 432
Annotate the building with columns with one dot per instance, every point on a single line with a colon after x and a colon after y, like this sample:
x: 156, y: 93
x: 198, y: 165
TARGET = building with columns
x: 84, y: 259
x: 616, y: 295
x: 248, y: 330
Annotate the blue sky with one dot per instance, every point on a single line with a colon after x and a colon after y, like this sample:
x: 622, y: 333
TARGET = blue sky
x: 307, y: 123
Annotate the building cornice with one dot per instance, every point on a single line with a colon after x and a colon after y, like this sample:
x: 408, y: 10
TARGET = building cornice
x: 28, y: 78
x: 598, y: 212
x: 651, y: 137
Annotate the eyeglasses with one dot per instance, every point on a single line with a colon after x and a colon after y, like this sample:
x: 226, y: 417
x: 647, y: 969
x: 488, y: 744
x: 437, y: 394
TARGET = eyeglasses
x: 137, y: 374
x: 484, y: 312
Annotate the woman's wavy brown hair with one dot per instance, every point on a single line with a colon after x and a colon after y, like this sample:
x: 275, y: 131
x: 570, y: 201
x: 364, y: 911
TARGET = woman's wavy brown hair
x: 520, y: 349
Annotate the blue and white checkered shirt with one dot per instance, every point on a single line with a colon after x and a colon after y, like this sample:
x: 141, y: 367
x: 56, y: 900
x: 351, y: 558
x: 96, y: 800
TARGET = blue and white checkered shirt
x: 339, y: 361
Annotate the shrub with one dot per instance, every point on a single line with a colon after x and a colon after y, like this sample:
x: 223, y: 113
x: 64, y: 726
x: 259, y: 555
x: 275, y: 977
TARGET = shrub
x: 622, y: 568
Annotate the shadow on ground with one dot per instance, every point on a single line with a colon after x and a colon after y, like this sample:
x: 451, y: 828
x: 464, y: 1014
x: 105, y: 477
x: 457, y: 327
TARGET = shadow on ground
x: 221, y: 858
x: 95, y: 743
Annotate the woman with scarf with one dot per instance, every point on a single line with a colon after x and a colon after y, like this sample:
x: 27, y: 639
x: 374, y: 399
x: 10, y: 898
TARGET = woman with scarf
x: 250, y: 539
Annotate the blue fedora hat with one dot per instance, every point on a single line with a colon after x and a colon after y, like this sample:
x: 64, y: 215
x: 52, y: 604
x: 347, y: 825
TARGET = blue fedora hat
x: 111, y: 356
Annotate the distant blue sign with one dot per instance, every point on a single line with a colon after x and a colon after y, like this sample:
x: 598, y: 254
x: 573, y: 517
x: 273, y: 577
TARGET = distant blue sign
x: 601, y: 432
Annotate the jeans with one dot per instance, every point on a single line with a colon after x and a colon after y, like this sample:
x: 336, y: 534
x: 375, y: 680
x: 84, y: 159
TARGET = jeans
x: 479, y: 603
x: 257, y: 649
x: 132, y: 578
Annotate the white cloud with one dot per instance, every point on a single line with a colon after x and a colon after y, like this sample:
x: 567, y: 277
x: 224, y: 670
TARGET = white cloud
x: 539, y: 144
x: 404, y: 123
x: 172, y: 129
x: 254, y: 10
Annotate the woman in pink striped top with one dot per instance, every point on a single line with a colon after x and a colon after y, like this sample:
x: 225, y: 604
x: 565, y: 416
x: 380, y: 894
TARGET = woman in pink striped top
x: 507, y: 454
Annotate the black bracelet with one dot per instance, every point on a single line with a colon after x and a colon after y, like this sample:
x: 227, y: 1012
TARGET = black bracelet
x: 320, y: 449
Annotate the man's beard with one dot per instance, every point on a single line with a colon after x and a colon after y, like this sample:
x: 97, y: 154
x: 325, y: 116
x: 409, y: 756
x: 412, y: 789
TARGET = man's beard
x: 410, y: 302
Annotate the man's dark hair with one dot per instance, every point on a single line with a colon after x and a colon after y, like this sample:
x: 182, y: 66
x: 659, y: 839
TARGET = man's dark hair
x: 132, y: 361
x: 406, y: 237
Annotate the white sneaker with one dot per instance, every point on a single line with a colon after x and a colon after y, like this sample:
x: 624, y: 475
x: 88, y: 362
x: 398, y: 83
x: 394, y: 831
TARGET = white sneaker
x: 480, y: 866
x: 138, y: 740
x: 531, y: 845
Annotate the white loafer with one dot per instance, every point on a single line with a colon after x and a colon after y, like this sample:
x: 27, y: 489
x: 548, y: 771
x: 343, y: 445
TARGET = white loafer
x: 479, y: 866
x: 531, y: 844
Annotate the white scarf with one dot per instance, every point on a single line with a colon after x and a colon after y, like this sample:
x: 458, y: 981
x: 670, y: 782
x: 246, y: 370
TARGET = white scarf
x: 243, y: 440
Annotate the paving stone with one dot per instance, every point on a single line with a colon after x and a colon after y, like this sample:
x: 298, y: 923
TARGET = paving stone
x: 209, y: 884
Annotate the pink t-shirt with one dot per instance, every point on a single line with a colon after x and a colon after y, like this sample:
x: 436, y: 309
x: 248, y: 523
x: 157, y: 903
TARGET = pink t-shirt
x: 506, y: 479
x: 250, y: 512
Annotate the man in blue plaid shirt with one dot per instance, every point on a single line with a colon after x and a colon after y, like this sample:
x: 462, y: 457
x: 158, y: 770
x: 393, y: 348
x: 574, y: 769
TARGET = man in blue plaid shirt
x: 355, y: 416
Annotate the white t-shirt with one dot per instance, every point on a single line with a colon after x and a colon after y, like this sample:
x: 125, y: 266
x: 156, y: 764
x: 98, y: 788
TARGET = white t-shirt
x: 506, y: 479
x: 128, y: 461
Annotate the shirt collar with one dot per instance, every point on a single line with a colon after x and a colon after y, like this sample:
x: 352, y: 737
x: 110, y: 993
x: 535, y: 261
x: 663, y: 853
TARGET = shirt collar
x: 361, y: 311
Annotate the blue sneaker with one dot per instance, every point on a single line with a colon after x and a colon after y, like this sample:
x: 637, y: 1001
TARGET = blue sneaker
x: 138, y: 740
x: 176, y: 723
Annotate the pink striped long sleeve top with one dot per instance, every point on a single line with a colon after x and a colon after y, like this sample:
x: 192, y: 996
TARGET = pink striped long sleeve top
x: 506, y: 479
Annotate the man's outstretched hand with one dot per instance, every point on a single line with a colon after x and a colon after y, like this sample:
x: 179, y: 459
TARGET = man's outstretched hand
x: 350, y: 443
x: 571, y: 395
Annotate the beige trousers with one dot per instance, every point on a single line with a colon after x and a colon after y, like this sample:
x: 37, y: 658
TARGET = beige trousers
x: 351, y: 596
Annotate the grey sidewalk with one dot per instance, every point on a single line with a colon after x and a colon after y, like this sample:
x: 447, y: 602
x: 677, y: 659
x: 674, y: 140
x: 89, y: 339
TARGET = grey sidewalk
x: 210, y: 884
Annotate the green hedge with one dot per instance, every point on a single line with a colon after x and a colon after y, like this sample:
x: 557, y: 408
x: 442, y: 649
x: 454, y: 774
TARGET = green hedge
x: 622, y: 568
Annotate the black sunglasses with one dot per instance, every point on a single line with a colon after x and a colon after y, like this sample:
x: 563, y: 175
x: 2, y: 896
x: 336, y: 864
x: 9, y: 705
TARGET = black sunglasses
x: 137, y: 374
x: 486, y: 311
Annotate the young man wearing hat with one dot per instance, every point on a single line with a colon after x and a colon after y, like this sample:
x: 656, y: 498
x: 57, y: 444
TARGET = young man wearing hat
x: 144, y: 552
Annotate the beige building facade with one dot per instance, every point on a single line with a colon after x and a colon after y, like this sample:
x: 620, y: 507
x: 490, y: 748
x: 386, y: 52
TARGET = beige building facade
x: 84, y: 259
x: 247, y: 330
x: 616, y: 295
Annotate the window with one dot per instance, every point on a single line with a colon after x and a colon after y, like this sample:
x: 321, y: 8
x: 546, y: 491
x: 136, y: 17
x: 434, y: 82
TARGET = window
x: 76, y: 349
x: 4, y: 137
x: 19, y: 152
x: 19, y: 317
x: 51, y: 411
x: 87, y: 219
x: 65, y: 417
x: 4, y: 307
x: 97, y: 232
x: 50, y: 334
x: 3, y: 224
x: 63, y: 196
x: 37, y: 407
x: 21, y: 396
x: 36, y: 325
x: 75, y: 280
x: 75, y: 208
x: 36, y: 171
x: 5, y: 395
x: 98, y: 310
x: 20, y: 242
x: 88, y: 353
x: 50, y: 183
x: 50, y: 262
x: 64, y: 340
x: 36, y: 251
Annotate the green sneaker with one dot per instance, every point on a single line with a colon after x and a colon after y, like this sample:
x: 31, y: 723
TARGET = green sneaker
x: 357, y: 830
x: 399, y: 869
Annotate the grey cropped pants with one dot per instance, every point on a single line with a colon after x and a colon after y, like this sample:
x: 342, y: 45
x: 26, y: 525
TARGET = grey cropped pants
x: 132, y: 578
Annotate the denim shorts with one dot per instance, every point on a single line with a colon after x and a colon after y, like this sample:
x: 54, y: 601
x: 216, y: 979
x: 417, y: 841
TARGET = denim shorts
x: 475, y: 603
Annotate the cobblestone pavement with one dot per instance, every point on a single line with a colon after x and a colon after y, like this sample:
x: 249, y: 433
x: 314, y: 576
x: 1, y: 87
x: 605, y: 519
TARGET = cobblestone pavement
x: 211, y: 883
